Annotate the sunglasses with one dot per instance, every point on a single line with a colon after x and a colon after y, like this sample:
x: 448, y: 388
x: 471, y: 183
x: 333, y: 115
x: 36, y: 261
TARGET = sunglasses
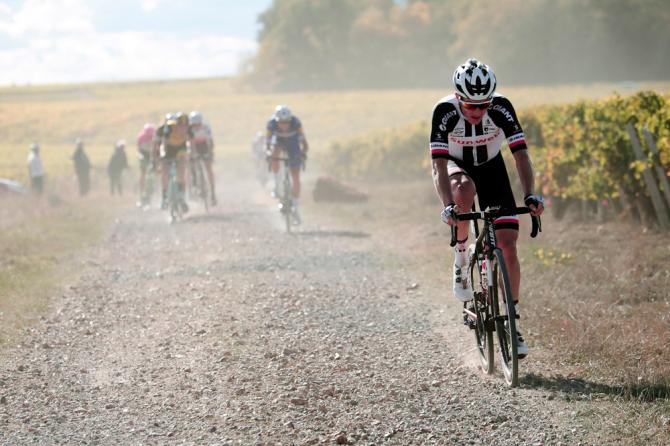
x: 475, y: 106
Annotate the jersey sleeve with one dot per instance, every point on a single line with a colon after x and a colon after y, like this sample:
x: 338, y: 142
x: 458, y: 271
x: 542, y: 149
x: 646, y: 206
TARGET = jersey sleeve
x: 503, y: 115
x: 445, y: 118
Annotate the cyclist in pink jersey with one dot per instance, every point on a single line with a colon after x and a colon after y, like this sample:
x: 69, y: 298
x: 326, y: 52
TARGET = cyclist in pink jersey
x: 144, y: 147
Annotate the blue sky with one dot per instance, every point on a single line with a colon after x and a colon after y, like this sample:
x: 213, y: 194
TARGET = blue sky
x: 55, y: 41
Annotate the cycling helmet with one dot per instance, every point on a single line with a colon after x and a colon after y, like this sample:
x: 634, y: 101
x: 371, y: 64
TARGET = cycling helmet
x: 195, y: 118
x: 283, y: 113
x: 34, y: 147
x: 181, y: 118
x: 120, y: 144
x: 474, y: 81
x: 78, y: 143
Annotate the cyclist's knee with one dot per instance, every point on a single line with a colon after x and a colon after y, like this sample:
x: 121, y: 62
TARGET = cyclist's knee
x: 463, y: 189
x: 508, y: 245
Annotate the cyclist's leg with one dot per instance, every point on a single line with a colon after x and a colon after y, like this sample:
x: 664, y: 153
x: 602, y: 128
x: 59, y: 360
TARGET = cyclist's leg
x: 295, y: 176
x: 181, y: 170
x: 144, y: 164
x: 497, y: 191
x: 507, y: 242
x: 165, y: 176
x: 209, y: 161
x: 463, y: 190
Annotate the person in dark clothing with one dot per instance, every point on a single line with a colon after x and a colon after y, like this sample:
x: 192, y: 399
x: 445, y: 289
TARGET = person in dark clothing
x: 82, y: 167
x: 117, y: 163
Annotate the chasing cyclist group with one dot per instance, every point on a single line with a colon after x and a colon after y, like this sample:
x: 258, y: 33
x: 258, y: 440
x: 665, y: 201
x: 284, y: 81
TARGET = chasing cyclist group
x: 184, y: 140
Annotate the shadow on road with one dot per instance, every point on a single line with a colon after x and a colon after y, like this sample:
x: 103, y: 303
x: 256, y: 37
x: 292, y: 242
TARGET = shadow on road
x: 324, y: 233
x: 643, y: 391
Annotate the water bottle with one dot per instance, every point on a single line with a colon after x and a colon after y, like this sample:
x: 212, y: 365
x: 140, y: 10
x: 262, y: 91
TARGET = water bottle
x: 485, y: 280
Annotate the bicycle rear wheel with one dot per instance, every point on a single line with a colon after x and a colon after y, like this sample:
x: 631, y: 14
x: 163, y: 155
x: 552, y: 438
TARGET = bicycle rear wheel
x: 503, y: 308
x: 483, y: 330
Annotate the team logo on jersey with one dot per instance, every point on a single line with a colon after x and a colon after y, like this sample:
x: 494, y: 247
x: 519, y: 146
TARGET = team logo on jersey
x: 488, y: 126
x: 504, y: 111
x: 446, y: 117
x: 458, y: 131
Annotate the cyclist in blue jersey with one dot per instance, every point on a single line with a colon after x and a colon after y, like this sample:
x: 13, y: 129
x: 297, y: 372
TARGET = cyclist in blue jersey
x: 285, y: 133
x: 468, y: 129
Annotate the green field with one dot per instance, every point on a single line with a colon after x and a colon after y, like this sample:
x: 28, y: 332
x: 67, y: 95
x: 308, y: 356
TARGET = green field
x: 103, y: 113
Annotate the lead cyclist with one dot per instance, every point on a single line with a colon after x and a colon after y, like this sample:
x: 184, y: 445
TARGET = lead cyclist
x: 468, y: 129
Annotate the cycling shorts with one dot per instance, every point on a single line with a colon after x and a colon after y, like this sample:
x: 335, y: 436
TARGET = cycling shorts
x: 294, y: 154
x: 492, y: 185
x: 203, y: 151
x: 171, y: 152
x: 144, y: 158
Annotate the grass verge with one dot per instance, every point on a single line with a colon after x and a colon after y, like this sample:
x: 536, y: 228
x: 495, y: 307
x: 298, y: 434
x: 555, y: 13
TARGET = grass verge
x: 36, y: 248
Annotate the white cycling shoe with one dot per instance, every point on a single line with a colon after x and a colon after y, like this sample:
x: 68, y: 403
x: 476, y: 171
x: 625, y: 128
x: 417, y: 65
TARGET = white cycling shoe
x: 521, y: 347
x: 295, y: 215
x: 461, y: 282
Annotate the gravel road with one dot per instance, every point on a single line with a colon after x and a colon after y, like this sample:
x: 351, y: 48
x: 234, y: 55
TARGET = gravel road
x: 225, y: 330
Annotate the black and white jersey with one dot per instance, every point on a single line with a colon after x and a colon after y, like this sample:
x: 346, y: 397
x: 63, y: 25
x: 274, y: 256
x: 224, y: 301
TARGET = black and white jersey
x: 453, y: 137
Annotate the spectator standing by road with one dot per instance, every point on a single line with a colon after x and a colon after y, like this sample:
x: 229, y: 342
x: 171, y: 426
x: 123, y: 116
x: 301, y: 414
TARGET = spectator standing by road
x: 117, y: 163
x: 35, y: 169
x: 82, y: 167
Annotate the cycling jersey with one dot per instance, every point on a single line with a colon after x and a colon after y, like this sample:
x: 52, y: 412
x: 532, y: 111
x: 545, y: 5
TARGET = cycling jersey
x: 176, y: 136
x: 453, y: 137
x: 290, y: 139
x: 144, y: 139
x: 202, y: 138
x: 174, y: 140
x: 474, y: 150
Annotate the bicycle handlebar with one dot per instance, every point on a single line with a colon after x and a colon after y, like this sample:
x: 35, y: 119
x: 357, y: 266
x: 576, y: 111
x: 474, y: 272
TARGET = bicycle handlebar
x: 491, y: 215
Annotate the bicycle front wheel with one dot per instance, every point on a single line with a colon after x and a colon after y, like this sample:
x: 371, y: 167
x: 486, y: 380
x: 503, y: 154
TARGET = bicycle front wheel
x: 482, y: 329
x: 503, y: 308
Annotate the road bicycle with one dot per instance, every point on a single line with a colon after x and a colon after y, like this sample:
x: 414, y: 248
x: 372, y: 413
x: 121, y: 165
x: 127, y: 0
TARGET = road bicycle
x: 285, y: 192
x: 201, y: 186
x: 492, y: 308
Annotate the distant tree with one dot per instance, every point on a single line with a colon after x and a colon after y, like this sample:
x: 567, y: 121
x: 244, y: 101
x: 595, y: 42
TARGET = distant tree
x: 308, y: 44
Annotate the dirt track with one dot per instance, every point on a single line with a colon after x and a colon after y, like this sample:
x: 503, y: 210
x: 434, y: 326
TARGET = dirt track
x: 224, y: 330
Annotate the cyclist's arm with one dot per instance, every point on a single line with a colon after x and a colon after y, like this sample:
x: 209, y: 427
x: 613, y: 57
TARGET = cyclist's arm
x: 441, y: 180
x: 445, y: 118
x: 525, y: 169
x: 210, y: 138
x: 269, y: 141
x: 303, y: 140
x: 504, y: 116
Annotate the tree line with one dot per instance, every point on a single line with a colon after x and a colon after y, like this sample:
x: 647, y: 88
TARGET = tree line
x: 334, y: 44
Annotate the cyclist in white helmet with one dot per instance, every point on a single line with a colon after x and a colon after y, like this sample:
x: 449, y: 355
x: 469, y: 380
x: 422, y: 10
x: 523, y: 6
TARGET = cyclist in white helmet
x: 284, y: 132
x: 468, y: 129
